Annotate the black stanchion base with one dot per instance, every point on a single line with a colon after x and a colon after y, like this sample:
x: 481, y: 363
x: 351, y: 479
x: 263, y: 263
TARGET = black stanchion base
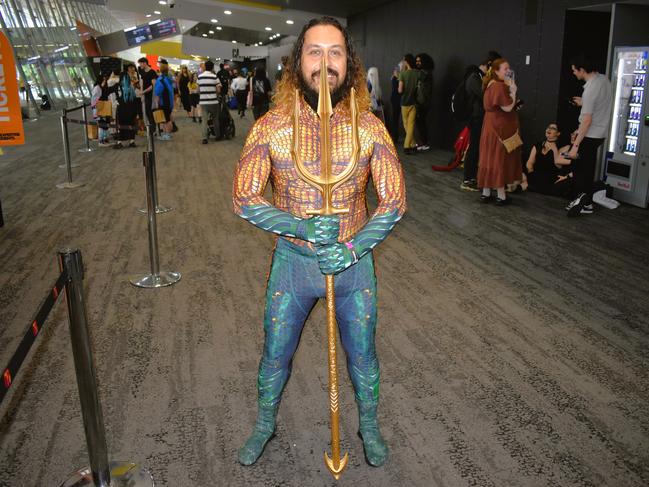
x: 86, y: 149
x: 122, y: 474
x: 63, y: 166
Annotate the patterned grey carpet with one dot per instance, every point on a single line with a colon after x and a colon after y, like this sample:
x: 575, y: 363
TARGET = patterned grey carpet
x: 513, y: 341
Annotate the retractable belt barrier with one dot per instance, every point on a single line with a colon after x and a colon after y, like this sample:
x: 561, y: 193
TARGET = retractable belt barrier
x: 103, y: 125
x: 100, y: 471
x: 30, y: 335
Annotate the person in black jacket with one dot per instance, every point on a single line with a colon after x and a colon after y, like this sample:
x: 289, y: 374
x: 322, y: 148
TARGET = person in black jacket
x: 425, y: 65
x: 128, y: 104
x: 473, y: 87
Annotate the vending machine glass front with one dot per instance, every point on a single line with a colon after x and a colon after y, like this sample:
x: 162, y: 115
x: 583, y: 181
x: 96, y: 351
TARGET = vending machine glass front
x: 631, y: 80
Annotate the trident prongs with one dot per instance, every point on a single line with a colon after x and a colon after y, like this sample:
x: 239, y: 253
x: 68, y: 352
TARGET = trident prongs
x: 326, y: 182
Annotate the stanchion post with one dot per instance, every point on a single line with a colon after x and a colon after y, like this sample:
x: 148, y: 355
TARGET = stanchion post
x: 122, y: 473
x: 86, y: 139
x: 158, y: 209
x: 84, y: 368
x: 156, y: 278
x: 66, y: 154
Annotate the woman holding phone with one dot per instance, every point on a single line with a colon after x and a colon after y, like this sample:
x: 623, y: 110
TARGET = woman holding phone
x: 500, y: 143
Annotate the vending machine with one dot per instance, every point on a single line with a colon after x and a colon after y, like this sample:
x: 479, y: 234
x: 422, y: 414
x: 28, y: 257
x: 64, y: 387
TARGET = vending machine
x: 626, y: 167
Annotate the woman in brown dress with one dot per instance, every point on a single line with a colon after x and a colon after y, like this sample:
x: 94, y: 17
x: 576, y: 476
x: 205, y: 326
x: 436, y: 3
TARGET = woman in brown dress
x: 497, y: 167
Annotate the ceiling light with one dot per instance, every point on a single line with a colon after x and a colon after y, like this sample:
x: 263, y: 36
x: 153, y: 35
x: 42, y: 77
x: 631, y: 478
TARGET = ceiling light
x: 211, y: 32
x: 148, y: 15
x: 204, y: 35
x: 218, y: 27
x: 157, y: 12
x: 129, y: 29
x: 268, y: 28
x: 227, y: 12
x: 73, y: 28
x: 234, y: 42
x: 156, y: 21
x: 214, y: 21
x: 271, y: 37
x: 290, y: 22
x: 162, y: 2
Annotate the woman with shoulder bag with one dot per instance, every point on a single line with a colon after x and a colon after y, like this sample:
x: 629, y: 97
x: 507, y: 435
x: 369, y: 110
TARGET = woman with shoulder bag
x: 500, y: 141
x: 102, y: 109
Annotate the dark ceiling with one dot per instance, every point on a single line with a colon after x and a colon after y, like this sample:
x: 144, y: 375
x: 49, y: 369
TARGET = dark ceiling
x: 337, y: 8
x: 242, y: 36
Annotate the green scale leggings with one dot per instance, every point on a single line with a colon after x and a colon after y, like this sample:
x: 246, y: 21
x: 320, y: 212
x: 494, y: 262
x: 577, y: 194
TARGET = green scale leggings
x: 294, y: 286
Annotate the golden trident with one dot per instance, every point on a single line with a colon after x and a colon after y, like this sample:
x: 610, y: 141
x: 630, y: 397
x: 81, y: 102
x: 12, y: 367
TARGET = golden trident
x: 326, y: 183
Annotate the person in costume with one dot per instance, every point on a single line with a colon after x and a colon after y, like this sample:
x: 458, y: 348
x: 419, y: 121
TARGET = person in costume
x: 309, y: 247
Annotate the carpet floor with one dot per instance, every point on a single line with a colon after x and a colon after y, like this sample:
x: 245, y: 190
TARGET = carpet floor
x: 513, y: 342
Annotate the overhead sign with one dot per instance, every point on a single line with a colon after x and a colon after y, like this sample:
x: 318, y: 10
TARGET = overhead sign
x: 151, y: 31
x: 11, y: 119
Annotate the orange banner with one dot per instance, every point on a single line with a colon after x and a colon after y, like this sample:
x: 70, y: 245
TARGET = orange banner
x: 11, y: 119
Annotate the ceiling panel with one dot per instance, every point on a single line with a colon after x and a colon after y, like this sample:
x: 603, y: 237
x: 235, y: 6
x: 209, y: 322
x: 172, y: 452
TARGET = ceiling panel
x: 336, y: 8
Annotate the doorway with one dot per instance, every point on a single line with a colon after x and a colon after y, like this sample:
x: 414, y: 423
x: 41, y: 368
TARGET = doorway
x: 586, y: 31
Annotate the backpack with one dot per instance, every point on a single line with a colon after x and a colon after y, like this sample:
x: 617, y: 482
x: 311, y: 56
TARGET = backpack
x: 460, y: 106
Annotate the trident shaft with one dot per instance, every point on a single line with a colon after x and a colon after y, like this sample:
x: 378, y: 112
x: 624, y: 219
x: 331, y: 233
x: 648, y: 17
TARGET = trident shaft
x: 326, y: 183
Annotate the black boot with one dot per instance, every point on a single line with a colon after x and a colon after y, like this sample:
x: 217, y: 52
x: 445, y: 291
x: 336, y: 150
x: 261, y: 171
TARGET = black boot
x: 376, y: 451
x: 264, y: 431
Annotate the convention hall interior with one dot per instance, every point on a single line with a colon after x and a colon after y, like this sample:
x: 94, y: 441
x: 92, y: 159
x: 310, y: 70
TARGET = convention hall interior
x: 324, y: 243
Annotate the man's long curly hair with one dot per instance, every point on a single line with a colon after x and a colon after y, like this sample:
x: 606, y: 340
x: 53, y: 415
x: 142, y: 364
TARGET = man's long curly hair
x: 355, y: 77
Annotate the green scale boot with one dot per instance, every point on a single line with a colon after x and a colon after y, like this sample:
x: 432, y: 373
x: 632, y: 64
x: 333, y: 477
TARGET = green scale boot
x: 376, y: 451
x: 264, y: 431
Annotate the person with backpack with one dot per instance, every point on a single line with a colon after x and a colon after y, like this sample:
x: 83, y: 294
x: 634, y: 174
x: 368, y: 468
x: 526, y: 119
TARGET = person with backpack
x: 408, y: 81
x: 164, y: 90
x: 468, y: 108
x: 260, y: 86
x: 425, y: 66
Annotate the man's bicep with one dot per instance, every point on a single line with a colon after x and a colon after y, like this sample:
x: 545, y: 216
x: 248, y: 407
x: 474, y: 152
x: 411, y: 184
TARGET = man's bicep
x: 252, y: 173
x: 387, y: 174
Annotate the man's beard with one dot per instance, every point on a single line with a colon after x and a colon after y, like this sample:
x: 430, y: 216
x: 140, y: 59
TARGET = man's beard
x: 311, y: 95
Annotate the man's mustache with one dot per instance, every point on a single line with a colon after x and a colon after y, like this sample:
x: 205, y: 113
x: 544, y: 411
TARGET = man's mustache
x: 331, y: 71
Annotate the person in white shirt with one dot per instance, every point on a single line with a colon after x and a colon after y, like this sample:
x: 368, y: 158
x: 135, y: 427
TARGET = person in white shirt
x: 209, y: 88
x: 595, y: 102
x: 240, y: 88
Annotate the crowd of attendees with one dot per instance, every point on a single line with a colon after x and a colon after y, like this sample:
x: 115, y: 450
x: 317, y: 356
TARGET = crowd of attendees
x: 486, y: 103
x: 123, y: 102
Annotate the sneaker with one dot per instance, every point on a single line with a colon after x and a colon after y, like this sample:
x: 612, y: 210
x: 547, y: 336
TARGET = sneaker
x: 204, y: 141
x: 105, y: 144
x: 423, y: 148
x: 470, y: 185
x: 575, y: 206
x: 410, y: 151
x: 586, y: 209
x: 118, y: 146
x: 132, y: 144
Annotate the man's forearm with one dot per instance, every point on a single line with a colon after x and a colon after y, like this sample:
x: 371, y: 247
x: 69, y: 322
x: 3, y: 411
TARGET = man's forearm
x: 273, y: 220
x: 583, y: 130
x: 374, y: 232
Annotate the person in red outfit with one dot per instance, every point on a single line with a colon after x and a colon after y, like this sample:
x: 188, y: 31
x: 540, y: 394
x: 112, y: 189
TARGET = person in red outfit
x: 499, y: 165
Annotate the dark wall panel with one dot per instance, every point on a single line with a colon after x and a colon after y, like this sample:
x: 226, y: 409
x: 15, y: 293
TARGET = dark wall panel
x: 460, y: 32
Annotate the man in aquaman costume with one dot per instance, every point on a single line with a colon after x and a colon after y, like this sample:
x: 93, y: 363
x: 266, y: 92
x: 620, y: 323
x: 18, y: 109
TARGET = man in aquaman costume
x: 309, y: 247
